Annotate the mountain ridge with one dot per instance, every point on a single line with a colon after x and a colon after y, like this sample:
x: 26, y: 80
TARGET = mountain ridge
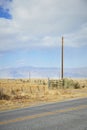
x: 42, y: 72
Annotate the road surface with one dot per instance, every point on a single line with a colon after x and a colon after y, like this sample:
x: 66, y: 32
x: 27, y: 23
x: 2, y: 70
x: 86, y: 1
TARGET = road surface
x: 68, y: 115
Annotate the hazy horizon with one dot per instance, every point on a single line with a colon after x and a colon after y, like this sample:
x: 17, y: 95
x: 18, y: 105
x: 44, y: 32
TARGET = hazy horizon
x: 36, y: 72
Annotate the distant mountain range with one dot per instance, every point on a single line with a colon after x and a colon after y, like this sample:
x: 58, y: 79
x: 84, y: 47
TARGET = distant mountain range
x: 35, y: 72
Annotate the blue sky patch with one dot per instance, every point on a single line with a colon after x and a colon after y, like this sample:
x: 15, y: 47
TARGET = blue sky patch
x: 4, y: 13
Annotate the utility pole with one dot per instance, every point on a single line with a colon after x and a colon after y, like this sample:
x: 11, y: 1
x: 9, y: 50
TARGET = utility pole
x: 62, y: 59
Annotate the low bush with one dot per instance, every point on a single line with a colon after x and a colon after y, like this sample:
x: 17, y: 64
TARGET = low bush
x: 3, y: 95
x: 69, y: 83
x: 77, y: 85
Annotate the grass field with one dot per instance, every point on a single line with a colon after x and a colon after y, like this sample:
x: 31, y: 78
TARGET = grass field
x: 24, y: 92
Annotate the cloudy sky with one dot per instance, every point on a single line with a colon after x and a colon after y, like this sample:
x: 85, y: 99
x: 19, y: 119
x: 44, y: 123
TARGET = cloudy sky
x: 31, y: 31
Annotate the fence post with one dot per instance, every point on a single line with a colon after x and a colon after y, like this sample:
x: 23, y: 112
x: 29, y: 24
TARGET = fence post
x: 48, y: 83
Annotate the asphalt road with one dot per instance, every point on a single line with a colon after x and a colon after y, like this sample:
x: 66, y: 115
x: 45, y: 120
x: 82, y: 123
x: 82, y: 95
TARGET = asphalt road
x: 68, y: 115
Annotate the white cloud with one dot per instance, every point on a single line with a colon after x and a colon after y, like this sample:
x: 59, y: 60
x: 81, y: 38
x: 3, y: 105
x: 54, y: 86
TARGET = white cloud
x: 77, y: 39
x: 43, y: 22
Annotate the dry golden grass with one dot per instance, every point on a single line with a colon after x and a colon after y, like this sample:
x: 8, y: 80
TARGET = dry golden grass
x: 21, y: 93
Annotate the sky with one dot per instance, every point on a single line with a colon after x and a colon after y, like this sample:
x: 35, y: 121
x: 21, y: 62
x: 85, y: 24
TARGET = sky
x: 31, y: 32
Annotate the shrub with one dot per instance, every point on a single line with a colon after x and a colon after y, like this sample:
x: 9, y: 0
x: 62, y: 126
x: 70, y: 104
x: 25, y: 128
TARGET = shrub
x: 69, y: 83
x: 76, y: 85
x: 3, y: 95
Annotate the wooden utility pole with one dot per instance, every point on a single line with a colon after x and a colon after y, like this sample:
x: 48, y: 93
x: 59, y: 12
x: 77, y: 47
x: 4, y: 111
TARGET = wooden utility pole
x: 62, y: 59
